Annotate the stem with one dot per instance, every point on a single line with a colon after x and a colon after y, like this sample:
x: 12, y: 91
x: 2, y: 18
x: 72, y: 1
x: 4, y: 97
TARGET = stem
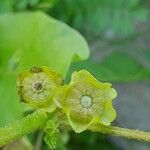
x: 123, y: 132
x: 21, y: 127
x: 38, y: 120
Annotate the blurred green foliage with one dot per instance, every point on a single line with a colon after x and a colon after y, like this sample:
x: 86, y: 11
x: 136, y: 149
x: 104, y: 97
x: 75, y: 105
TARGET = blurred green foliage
x: 116, y: 67
x: 21, y: 5
x: 28, y: 39
x: 90, y: 141
x: 101, y: 16
x: 112, y: 17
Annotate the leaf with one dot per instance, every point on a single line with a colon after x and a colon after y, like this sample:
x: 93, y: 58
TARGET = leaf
x: 41, y: 40
x: 117, y: 67
x: 6, y: 5
x: 52, y: 134
x: 33, y: 39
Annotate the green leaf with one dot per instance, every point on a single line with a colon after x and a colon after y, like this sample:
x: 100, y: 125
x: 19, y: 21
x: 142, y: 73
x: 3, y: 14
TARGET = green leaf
x: 9, y: 102
x: 33, y: 39
x: 117, y: 67
x: 40, y: 40
x: 52, y: 134
x: 6, y: 5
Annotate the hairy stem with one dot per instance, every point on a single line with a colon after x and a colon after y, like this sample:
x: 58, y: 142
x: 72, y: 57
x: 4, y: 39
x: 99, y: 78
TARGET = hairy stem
x: 123, y: 132
x: 38, y: 120
x: 21, y: 127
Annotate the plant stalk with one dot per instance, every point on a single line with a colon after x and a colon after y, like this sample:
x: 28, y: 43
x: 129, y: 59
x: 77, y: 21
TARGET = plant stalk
x: 19, y: 128
x: 123, y: 132
x: 38, y: 120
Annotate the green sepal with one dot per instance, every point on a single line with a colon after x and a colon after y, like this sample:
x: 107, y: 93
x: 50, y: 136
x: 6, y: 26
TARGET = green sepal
x: 52, y: 133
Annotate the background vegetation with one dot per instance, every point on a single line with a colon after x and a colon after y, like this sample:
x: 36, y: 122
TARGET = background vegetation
x: 118, y: 32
